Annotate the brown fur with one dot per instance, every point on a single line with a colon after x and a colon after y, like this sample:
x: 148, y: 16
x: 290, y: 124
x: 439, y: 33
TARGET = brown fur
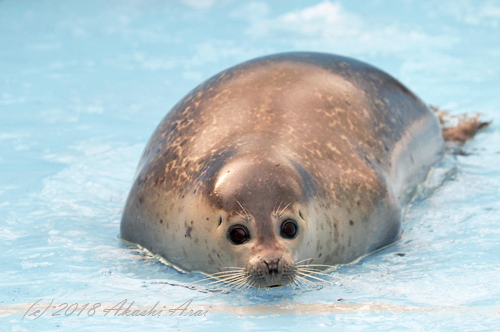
x: 330, y: 143
x: 459, y: 128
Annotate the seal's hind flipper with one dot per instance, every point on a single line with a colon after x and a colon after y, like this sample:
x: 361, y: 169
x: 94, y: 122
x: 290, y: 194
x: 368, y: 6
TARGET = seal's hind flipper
x: 458, y: 129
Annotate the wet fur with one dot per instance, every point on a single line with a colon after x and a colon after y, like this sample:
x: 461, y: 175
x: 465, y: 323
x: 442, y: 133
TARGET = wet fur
x: 327, y: 141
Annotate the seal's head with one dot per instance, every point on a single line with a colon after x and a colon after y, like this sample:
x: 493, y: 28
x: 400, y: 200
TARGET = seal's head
x: 263, y: 219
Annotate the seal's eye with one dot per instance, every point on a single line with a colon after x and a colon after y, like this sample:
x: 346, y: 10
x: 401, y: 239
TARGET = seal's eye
x: 238, y: 235
x: 288, y: 229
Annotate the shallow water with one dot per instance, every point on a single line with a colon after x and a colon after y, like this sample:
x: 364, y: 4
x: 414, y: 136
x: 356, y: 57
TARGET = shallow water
x: 84, y: 83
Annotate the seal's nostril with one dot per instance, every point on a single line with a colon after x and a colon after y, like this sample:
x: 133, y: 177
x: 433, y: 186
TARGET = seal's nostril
x: 272, y: 266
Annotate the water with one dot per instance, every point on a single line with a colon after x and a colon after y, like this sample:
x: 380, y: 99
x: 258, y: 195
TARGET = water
x: 84, y: 83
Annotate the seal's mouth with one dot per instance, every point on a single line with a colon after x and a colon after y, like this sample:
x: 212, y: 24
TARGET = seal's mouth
x: 274, y: 286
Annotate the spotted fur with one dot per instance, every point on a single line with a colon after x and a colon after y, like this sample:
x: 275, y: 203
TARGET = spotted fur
x: 331, y: 141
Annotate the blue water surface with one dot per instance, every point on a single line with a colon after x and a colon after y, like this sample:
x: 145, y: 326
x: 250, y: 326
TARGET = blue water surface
x: 83, y: 84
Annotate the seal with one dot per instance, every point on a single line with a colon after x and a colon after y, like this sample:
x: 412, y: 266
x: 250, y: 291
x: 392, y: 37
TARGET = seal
x: 278, y: 163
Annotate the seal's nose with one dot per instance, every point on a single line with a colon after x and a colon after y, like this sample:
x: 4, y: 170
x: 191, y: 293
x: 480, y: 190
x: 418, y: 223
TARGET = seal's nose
x: 272, y: 265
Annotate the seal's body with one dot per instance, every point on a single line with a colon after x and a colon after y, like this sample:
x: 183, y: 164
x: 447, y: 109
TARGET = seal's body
x: 289, y: 158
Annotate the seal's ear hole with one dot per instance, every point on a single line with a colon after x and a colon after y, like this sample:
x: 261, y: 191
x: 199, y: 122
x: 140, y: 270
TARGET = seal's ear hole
x: 300, y: 215
x: 220, y: 220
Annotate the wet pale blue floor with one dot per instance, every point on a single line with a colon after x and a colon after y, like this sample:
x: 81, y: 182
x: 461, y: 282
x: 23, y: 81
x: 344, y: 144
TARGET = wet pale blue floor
x: 84, y: 83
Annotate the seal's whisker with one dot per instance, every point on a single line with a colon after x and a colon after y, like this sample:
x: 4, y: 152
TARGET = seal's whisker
x: 253, y: 283
x: 302, y: 280
x: 245, y: 284
x: 291, y: 281
x: 307, y: 271
x: 302, y: 268
x: 225, y: 275
x: 241, y: 286
x: 300, y: 285
x: 218, y: 283
x: 316, y: 272
x: 281, y: 212
x: 275, y: 210
x: 296, y: 263
x: 229, y: 278
x: 241, y: 206
x: 211, y: 276
x: 307, y: 275
x: 322, y: 265
x: 224, y: 272
x: 218, y: 275
x: 237, y: 280
x: 236, y: 284
x: 221, y: 279
x: 249, y: 284
x: 296, y: 283
x: 232, y: 276
x: 215, y: 282
x: 207, y: 277
x: 315, y: 278
x: 204, y: 279
x: 233, y: 267
x: 312, y: 270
